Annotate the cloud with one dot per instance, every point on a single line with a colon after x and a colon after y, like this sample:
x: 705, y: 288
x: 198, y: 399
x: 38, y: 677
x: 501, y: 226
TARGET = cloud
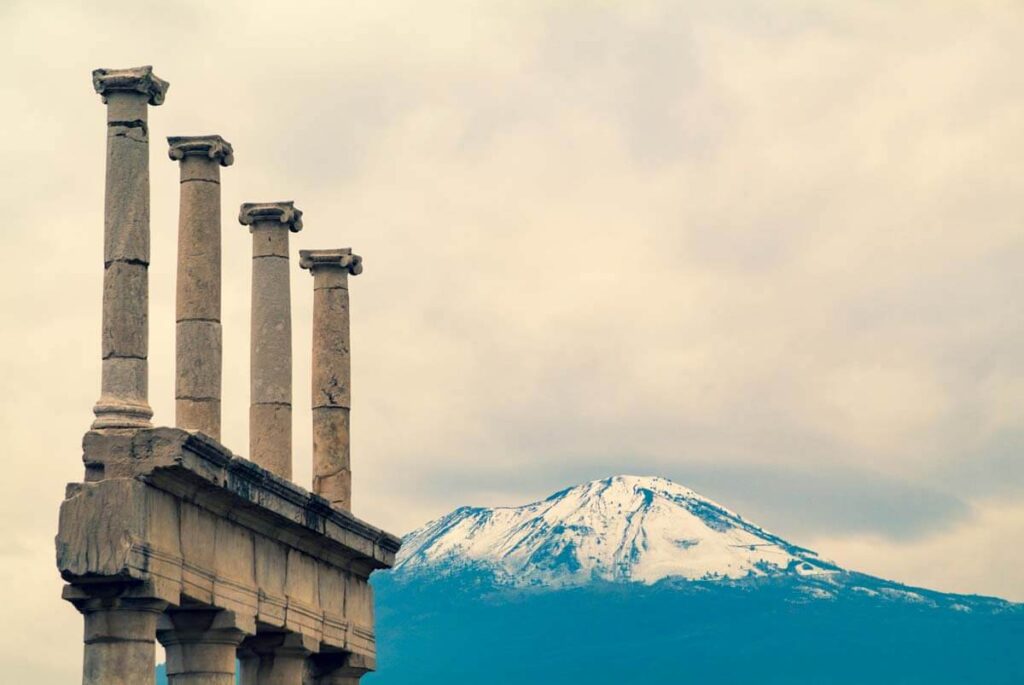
x: 734, y: 241
x: 975, y: 556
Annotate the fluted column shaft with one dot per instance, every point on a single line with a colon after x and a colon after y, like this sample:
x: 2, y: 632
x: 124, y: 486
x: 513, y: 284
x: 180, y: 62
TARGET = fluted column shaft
x: 201, y: 646
x: 124, y: 401
x: 270, y: 389
x: 332, y: 372
x: 198, y: 337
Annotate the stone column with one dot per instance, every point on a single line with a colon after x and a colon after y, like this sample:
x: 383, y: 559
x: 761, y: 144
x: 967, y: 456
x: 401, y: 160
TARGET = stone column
x: 124, y: 396
x: 120, y: 636
x: 270, y: 382
x: 332, y: 371
x: 198, y: 346
x: 275, y: 659
x: 201, y: 646
x: 337, y: 669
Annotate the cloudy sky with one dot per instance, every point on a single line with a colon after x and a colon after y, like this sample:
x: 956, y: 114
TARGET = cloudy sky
x: 771, y: 250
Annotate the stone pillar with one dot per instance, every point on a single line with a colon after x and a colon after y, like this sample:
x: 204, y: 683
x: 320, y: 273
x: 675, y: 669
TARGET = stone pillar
x: 332, y: 371
x: 275, y: 659
x: 336, y: 669
x: 120, y: 636
x: 201, y: 646
x: 124, y: 396
x: 198, y: 346
x: 270, y: 383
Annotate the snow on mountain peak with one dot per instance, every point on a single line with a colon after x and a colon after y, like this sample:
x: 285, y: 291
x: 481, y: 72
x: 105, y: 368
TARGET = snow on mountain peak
x: 619, y: 529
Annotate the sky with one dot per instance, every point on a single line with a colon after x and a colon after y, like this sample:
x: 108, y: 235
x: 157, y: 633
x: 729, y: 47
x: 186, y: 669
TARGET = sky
x: 767, y: 249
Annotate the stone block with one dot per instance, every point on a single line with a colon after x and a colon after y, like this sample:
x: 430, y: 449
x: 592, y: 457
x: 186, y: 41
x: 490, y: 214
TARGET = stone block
x: 198, y: 546
x: 198, y: 368
x: 200, y: 168
x: 125, y: 305
x: 126, y: 106
x: 302, y: 579
x: 270, y: 437
x: 199, y: 252
x: 127, y: 379
x: 126, y: 215
x: 199, y: 415
x: 358, y: 601
x: 98, y: 528
x: 235, y: 556
x: 331, y: 585
x: 269, y: 239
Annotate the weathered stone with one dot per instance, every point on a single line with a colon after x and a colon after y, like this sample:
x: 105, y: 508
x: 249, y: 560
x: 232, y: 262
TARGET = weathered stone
x: 284, y: 212
x: 198, y: 349
x: 332, y: 473
x: 201, y: 645
x: 199, y: 361
x: 140, y: 80
x: 126, y: 242
x: 126, y: 211
x: 199, y: 252
x: 120, y: 644
x: 271, y: 343
x: 275, y: 658
x: 268, y: 240
x: 125, y: 315
x: 270, y: 437
x: 358, y: 601
x: 337, y: 669
x: 331, y: 389
x: 270, y: 389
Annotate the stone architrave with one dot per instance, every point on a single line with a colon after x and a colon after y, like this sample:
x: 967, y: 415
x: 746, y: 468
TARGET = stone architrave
x: 124, y: 401
x: 198, y: 338
x: 270, y: 398
x: 332, y: 371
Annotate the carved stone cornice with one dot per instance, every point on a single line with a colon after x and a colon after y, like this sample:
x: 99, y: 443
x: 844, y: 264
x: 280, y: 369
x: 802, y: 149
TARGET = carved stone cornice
x: 212, y: 147
x: 136, y: 80
x: 340, y: 258
x: 284, y: 212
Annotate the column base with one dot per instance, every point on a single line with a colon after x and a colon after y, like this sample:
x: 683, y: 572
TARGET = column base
x: 114, y: 414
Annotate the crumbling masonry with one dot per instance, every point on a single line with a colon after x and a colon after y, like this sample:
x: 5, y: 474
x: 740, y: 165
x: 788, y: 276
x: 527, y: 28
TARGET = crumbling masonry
x: 171, y: 537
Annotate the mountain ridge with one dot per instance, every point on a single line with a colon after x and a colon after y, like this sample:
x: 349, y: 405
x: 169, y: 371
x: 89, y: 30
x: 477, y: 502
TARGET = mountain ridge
x: 620, y: 528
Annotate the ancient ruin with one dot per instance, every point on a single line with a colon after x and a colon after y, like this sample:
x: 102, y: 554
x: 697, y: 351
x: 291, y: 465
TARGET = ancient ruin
x: 170, y: 536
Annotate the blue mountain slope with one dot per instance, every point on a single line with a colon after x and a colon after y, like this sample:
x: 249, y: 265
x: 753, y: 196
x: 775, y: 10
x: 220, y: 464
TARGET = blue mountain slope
x: 640, y: 580
x: 460, y: 630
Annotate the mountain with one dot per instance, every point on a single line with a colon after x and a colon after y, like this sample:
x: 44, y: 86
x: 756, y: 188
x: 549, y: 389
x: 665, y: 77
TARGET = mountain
x: 641, y: 580
x: 621, y: 529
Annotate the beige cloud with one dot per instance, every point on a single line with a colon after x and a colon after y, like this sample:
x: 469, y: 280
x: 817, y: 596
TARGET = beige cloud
x: 977, y: 556
x: 776, y: 235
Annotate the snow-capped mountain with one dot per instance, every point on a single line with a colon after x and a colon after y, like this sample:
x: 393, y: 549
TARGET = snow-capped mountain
x: 624, y: 528
x: 641, y: 580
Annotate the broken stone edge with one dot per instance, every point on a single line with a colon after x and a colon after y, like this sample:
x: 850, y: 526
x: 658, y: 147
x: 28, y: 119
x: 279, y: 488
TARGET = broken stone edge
x: 135, y: 79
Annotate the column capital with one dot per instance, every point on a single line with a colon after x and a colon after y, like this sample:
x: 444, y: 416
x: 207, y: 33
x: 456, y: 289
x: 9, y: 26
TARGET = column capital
x: 284, y: 212
x: 340, y: 258
x: 136, y: 80
x: 210, y: 147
